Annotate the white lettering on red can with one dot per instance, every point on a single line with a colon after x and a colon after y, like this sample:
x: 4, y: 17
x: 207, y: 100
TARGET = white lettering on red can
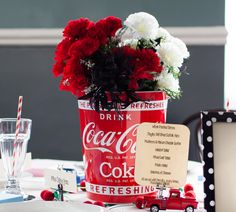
x: 123, y: 171
x: 118, y: 190
x: 99, y: 140
x: 136, y: 106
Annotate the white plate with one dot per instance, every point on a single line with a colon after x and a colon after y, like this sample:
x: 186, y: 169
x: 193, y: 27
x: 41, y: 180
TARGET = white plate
x: 43, y: 206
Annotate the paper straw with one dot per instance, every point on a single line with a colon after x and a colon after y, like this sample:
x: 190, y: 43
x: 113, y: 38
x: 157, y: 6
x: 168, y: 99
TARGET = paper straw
x: 17, y: 131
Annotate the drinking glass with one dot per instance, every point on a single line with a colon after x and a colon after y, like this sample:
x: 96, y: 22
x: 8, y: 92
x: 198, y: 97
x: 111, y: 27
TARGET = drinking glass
x: 13, y: 150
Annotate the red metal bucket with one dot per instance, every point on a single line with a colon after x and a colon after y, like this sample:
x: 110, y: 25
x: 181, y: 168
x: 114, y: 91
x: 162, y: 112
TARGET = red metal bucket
x: 109, y: 144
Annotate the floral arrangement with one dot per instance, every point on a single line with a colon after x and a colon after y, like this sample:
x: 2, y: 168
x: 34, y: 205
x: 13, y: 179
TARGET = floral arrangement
x: 108, y: 61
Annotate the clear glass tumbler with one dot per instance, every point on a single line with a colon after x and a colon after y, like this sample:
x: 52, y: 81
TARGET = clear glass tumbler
x: 13, y: 150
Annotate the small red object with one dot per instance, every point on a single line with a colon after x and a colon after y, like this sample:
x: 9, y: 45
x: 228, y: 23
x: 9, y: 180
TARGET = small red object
x: 140, y: 203
x: 88, y: 202
x: 47, y: 195
x: 99, y: 203
x: 188, y: 187
x: 42, y: 193
x: 190, y: 194
x: 173, y: 202
x: 82, y: 185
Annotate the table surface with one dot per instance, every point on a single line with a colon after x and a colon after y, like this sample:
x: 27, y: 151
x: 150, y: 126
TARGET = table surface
x: 34, y: 185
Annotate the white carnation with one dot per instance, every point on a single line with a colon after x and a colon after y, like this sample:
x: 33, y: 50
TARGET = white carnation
x: 167, y: 81
x: 181, y: 45
x: 170, y: 54
x: 164, y: 34
x: 125, y: 34
x: 130, y: 42
x: 143, y: 25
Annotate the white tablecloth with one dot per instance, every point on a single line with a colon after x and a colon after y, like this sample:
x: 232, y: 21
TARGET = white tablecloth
x: 34, y: 185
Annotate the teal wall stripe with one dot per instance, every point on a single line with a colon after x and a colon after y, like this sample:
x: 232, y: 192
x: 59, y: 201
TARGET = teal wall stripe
x: 56, y: 13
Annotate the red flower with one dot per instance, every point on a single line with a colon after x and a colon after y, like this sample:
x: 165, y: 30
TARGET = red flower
x: 61, y: 55
x: 84, y: 48
x: 74, y: 77
x: 97, y: 32
x: 62, y: 49
x: 113, y: 24
x: 75, y: 84
x: 77, y: 28
x: 58, y: 68
x: 109, y: 25
x: 130, y: 52
x: 149, y: 60
x: 73, y: 66
x: 104, y: 29
x: 146, y: 63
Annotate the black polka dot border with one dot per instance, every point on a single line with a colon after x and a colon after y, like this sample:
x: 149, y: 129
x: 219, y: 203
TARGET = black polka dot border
x: 208, y: 118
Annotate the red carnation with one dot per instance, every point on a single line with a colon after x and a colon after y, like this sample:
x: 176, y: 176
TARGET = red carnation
x: 129, y: 52
x: 84, y: 48
x: 146, y: 63
x: 97, y: 32
x: 113, y: 24
x: 58, y: 68
x: 75, y: 84
x: 149, y: 60
x: 62, y: 49
x: 77, y: 28
x: 61, y: 55
x: 73, y: 66
x: 110, y: 25
x: 143, y: 73
x: 74, y: 78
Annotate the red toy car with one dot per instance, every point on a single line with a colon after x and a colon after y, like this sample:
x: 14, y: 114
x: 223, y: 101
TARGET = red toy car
x: 173, y: 202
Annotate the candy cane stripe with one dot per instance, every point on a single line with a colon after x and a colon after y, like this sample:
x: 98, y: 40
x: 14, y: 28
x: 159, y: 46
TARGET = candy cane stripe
x: 17, y: 132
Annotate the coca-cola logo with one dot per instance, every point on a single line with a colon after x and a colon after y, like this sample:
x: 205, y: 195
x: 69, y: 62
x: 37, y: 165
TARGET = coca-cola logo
x: 102, y: 141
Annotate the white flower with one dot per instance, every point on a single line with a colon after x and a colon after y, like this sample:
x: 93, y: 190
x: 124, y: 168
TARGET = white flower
x: 125, y: 34
x: 143, y: 25
x: 181, y: 45
x: 170, y: 54
x: 164, y: 34
x: 167, y: 81
x: 130, y: 42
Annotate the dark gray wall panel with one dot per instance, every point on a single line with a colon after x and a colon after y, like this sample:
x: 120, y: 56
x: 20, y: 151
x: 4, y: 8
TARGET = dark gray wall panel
x: 56, y: 13
x: 55, y: 129
x: 55, y: 134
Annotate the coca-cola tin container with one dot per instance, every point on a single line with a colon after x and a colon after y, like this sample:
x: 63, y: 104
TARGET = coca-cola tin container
x: 109, y: 144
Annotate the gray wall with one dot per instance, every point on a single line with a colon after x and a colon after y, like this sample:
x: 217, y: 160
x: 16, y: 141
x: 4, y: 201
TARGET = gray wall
x: 55, y: 134
x: 55, y: 129
x: 56, y: 13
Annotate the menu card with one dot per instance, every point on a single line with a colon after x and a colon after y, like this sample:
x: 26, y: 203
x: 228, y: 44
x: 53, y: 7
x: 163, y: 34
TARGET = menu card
x: 162, y: 155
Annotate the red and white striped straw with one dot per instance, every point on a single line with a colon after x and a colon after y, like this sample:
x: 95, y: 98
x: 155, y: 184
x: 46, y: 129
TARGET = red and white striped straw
x: 17, y: 131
